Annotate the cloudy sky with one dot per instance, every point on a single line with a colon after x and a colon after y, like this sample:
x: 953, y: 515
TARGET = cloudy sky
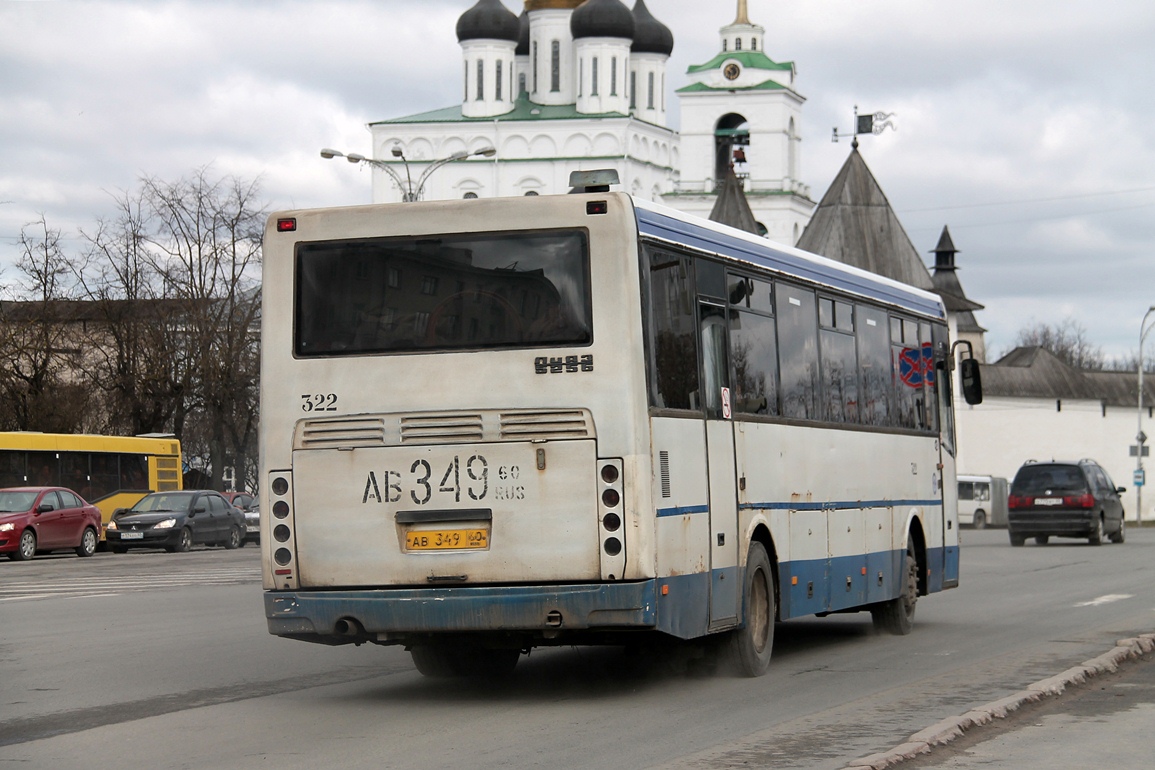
x: 1027, y: 126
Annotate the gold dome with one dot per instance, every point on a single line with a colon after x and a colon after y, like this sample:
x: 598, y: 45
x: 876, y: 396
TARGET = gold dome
x: 541, y: 5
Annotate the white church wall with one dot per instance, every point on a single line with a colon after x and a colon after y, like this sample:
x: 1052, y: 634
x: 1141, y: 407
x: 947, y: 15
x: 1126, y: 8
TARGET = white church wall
x: 999, y: 435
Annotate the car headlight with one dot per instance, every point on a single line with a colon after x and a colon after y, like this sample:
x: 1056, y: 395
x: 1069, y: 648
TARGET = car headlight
x: 166, y: 524
x: 112, y: 524
x: 7, y: 527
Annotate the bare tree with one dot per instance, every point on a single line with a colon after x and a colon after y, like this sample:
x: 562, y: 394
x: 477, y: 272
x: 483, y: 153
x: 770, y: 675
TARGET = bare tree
x: 206, y: 248
x: 38, y: 345
x: 1067, y: 341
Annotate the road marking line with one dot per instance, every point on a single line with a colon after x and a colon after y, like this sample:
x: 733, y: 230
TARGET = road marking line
x: 1107, y: 599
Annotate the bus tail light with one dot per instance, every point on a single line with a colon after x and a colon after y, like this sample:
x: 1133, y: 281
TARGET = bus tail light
x: 280, y: 527
x: 610, y: 519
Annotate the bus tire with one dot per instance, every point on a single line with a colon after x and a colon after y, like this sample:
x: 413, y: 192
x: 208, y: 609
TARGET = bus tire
x: 750, y: 646
x: 896, y: 616
x: 442, y: 661
x: 980, y: 521
x: 87, y: 545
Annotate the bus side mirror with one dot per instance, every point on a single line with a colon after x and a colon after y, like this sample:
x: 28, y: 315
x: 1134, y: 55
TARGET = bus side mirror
x: 972, y: 384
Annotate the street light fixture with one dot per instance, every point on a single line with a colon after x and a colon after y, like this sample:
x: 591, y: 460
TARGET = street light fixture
x: 1140, y: 436
x: 410, y: 190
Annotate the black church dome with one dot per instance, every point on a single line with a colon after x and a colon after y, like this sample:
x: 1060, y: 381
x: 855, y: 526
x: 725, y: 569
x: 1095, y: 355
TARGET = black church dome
x: 650, y: 35
x: 488, y: 20
x: 602, y: 18
x: 523, y: 35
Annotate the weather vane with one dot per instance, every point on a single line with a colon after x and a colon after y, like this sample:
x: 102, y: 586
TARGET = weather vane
x: 874, y: 123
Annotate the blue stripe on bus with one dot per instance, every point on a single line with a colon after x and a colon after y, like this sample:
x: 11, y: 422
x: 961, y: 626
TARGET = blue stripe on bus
x: 833, y: 505
x: 765, y: 255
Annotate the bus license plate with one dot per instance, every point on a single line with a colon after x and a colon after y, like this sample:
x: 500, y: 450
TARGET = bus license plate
x: 447, y: 539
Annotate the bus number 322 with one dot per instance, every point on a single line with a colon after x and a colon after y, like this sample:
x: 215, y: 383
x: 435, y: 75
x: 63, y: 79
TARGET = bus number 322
x: 470, y: 477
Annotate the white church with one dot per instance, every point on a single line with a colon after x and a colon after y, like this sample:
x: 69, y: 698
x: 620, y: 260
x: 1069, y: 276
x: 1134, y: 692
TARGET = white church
x: 581, y: 84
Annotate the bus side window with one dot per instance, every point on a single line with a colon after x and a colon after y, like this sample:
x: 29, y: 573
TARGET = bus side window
x: 673, y: 321
x: 798, y: 351
x: 715, y: 363
x: 966, y: 490
x: 982, y: 492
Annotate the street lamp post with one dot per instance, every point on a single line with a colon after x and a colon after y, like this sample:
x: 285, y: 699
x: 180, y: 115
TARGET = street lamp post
x: 1140, y: 436
x: 410, y: 191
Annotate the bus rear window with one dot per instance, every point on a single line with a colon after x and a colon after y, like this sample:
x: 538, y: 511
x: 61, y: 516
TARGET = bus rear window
x: 459, y: 292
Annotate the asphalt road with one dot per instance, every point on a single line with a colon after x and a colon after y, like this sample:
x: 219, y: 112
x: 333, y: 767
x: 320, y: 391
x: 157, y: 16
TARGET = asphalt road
x: 153, y: 660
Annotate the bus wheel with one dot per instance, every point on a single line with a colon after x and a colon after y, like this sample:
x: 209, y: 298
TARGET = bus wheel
x: 441, y: 661
x: 87, y: 545
x: 750, y: 646
x: 980, y: 520
x: 897, y: 615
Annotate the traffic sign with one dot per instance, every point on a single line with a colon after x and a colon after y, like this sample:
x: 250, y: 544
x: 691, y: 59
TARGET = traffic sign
x: 1139, y: 477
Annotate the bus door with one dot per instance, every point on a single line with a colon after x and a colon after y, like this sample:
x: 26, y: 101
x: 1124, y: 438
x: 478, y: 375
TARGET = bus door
x: 725, y: 578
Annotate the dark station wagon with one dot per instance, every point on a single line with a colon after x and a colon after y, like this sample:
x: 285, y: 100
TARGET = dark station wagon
x: 1064, y: 499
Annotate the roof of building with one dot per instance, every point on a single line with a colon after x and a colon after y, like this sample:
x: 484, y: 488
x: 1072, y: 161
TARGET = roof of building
x: 488, y: 20
x: 522, y: 48
x: 748, y: 59
x: 731, y: 208
x: 1035, y: 372
x: 602, y: 18
x: 650, y: 35
x: 523, y: 109
x: 855, y: 224
x: 769, y: 85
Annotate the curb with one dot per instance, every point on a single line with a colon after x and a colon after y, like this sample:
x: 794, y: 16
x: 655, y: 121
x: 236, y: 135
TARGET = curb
x: 953, y: 728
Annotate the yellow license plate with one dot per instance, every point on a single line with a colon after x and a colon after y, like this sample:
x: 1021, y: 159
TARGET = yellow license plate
x: 446, y: 539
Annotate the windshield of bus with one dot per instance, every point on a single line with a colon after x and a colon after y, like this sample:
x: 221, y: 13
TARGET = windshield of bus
x: 455, y: 292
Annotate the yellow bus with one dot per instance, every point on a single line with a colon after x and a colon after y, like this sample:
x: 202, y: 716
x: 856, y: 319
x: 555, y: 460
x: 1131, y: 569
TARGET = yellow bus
x: 108, y: 471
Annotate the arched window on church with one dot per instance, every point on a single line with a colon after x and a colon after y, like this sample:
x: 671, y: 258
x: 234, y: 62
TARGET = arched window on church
x: 731, y: 143
x: 555, y: 66
x: 469, y: 196
x: 497, y: 91
x: 737, y: 44
x: 480, y: 80
x: 594, y: 76
x: 521, y: 87
x: 614, y: 76
x: 633, y: 90
x: 535, y: 66
x: 753, y: 44
x: 466, y: 82
x: 650, y: 101
x: 725, y: 46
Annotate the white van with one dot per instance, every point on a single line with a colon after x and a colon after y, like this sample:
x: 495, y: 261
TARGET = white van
x: 982, y: 501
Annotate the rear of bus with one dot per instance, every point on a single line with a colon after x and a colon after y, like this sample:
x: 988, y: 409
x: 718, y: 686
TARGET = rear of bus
x: 453, y: 416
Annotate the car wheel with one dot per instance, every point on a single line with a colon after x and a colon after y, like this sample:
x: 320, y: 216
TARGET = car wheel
x: 897, y: 615
x: 1042, y: 539
x: 1018, y: 540
x: 183, y: 544
x: 980, y: 521
x: 1096, y: 537
x: 87, y: 545
x: 27, y: 547
x: 749, y: 647
x: 1121, y: 535
x: 236, y: 538
x: 119, y: 548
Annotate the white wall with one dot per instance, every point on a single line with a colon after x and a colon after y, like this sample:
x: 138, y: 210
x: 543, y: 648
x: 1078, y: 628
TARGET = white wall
x: 999, y: 435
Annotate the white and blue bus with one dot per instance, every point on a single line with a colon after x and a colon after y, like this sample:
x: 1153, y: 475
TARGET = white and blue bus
x: 491, y: 425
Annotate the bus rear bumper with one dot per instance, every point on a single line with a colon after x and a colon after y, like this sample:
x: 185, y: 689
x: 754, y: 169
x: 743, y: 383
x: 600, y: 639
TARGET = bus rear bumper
x: 382, y: 615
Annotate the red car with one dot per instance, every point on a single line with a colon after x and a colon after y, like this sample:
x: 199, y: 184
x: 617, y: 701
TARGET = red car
x: 46, y: 519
